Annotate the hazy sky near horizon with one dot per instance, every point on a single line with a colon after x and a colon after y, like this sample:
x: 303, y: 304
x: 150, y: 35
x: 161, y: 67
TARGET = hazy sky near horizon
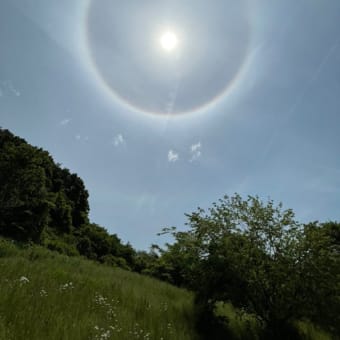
x: 258, y: 82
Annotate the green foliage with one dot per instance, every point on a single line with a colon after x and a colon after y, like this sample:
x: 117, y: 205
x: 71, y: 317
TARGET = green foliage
x: 8, y: 248
x: 94, y: 242
x: 24, y: 200
x: 256, y: 256
x: 36, y: 193
x: 61, y: 247
x: 61, y: 214
x: 97, y: 241
x: 74, y: 189
x: 321, y: 275
x: 332, y: 230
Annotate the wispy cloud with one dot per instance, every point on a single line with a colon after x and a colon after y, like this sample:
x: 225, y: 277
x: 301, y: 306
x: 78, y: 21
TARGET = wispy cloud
x: 79, y: 137
x: 9, y: 88
x: 65, y: 121
x: 195, y: 151
x: 173, y: 156
x: 14, y: 90
x: 119, y: 140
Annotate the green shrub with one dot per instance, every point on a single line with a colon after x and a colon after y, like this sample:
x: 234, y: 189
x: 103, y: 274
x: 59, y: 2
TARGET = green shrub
x: 61, y: 247
x: 8, y: 248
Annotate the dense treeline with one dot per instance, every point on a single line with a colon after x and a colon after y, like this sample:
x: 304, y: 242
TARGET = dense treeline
x: 42, y: 202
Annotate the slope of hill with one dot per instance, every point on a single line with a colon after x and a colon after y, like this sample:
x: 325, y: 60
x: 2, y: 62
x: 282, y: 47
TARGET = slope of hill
x: 45, y: 295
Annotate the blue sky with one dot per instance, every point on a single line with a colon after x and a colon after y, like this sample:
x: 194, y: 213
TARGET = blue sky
x: 266, y: 82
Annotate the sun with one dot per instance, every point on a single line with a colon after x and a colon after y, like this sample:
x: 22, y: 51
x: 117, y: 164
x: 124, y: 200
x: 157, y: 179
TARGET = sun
x: 169, y: 41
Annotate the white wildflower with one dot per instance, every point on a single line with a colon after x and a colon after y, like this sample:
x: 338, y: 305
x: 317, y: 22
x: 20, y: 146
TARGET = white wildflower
x: 43, y: 293
x: 24, y: 280
x: 68, y: 285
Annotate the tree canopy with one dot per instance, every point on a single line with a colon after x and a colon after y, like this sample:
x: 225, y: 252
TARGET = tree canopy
x: 255, y: 255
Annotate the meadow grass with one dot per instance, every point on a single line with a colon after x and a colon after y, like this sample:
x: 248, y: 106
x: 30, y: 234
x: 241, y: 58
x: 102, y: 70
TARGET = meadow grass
x: 242, y: 326
x: 45, y: 295
x: 310, y: 332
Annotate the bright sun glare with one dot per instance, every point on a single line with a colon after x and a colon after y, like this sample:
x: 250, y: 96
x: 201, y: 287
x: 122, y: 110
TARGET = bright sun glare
x: 169, y: 41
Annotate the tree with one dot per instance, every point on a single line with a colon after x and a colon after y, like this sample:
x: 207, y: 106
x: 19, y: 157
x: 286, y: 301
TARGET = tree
x: 24, y: 199
x: 321, y: 274
x: 74, y: 190
x: 61, y: 217
x: 256, y: 256
x: 332, y: 230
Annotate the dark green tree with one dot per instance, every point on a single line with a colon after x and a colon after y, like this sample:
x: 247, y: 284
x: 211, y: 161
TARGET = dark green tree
x: 61, y: 214
x: 74, y: 189
x: 24, y: 196
x: 256, y: 256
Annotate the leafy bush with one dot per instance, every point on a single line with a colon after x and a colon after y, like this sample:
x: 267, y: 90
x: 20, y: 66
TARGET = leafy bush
x: 256, y: 256
x: 8, y: 248
x: 61, y: 247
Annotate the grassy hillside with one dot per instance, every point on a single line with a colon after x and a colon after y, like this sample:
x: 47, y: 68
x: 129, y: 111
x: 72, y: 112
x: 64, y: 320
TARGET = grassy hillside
x: 45, y: 295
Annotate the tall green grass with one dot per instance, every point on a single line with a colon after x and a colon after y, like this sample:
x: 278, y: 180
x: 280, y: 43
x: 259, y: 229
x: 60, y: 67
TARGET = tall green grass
x: 47, y: 296
x: 44, y: 295
x: 242, y: 326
